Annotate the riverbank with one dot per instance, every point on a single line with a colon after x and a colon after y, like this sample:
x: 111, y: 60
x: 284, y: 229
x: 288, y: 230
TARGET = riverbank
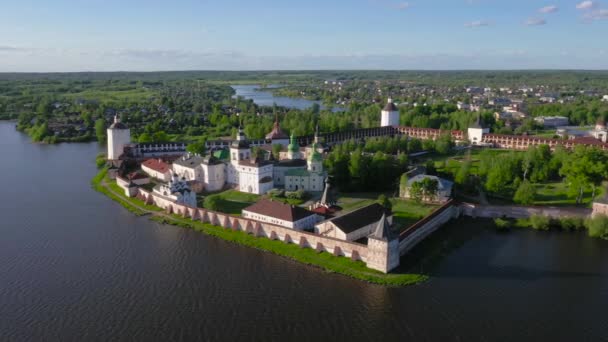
x: 308, y: 256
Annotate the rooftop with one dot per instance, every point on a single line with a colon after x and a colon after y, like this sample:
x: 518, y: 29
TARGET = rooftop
x: 359, y: 218
x: 279, y: 210
x: 156, y: 165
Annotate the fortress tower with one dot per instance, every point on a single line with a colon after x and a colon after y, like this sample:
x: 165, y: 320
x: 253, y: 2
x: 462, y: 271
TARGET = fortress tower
x: 390, y: 114
x: 119, y: 135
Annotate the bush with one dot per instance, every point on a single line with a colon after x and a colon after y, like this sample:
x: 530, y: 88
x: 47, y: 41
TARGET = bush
x: 502, y: 224
x: 276, y: 193
x: 540, y: 222
x: 598, y: 226
x: 571, y: 223
x: 299, y: 194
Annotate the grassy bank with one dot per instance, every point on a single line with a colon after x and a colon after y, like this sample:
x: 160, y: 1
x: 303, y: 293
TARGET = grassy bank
x: 131, y: 204
x: 324, y: 261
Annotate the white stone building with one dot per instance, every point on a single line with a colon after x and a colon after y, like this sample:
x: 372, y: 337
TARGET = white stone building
x: 390, y: 114
x: 189, y: 167
x: 281, y: 214
x: 310, y: 179
x: 176, y: 191
x: 356, y: 224
x: 476, y: 131
x: 158, y: 169
x: 251, y: 176
x: 119, y: 135
x: 214, y: 174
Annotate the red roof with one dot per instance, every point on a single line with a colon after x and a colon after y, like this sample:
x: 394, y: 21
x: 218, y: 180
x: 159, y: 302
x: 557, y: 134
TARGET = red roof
x: 277, y: 132
x: 279, y: 210
x: 136, y: 175
x: 156, y: 165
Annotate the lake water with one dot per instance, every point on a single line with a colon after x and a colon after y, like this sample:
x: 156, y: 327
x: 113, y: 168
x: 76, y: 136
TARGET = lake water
x: 75, y: 266
x: 266, y: 98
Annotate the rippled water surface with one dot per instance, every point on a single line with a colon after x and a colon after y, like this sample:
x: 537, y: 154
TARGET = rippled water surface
x: 74, y: 266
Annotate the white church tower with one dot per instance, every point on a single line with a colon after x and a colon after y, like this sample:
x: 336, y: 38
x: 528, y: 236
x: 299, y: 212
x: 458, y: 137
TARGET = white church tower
x: 119, y: 135
x: 390, y: 114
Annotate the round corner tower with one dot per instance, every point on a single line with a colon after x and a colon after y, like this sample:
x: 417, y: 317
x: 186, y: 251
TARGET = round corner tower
x: 119, y: 135
x: 390, y: 114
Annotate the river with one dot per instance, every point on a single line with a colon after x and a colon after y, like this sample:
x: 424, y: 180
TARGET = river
x: 266, y: 98
x: 75, y: 266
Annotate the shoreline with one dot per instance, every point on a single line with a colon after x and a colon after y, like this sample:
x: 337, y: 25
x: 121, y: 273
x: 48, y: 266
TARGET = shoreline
x: 324, y: 261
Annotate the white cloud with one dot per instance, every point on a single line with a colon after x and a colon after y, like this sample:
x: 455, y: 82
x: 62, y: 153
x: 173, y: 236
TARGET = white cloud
x: 549, y: 9
x: 585, y: 5
x: 403, y: 5
x: 535, y: 22
x: 477, y: 23
x: 599, y: 14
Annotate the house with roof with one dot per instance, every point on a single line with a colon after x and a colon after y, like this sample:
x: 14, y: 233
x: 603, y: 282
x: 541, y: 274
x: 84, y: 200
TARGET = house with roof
x: 444, y: 188
x: 355, y: 225
x: 189, y: 167
x: 158, y: 169
x: 277, y: 136
x: 281, y: 214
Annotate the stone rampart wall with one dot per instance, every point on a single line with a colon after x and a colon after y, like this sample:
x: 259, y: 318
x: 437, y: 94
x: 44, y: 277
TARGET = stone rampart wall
x: 423, y: 228
x: 336, y: 247
x: 516, y: 212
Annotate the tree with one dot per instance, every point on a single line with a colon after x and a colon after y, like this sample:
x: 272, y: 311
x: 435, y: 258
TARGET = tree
x: 145, y: 138
x: 276, y: 151
x: 100, y: 130
x: 198, y: 147
x: 431, y: 188
x: 403, y: 183
x: 160, y: 136
x: 416, y: 191
x: 524, y: 193
x: 444, y: 144
x: 384, y: 201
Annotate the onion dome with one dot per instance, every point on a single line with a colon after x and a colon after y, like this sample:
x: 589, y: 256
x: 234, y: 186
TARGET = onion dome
x: 293, y: 145
x: 315, y: 156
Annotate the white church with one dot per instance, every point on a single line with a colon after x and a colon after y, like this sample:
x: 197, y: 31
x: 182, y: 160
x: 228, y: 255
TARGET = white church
x: 240, y: 171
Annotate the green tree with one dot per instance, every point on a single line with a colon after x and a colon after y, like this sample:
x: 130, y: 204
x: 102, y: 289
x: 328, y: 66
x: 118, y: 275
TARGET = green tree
x: 198, y: 147
x: 160, y: 136
x: 100, y: 130
x: 525, y: 193
x: 276, y: 151
x: 444, y: 144
x: 384, y: 201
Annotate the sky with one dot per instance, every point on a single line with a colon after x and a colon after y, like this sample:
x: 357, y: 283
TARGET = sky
x: 152, y: 35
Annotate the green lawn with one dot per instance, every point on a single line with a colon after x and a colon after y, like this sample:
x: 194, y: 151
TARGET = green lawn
x: 408, y: 212
x: 352, y: 201
x: 556, y: 194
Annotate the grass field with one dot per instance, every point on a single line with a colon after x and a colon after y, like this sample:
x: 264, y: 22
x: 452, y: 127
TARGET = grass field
x: 104, y: 96
x: 409, y: 212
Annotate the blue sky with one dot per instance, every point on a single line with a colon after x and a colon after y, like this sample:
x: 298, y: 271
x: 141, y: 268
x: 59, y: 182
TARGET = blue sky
x: 108, y: 35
